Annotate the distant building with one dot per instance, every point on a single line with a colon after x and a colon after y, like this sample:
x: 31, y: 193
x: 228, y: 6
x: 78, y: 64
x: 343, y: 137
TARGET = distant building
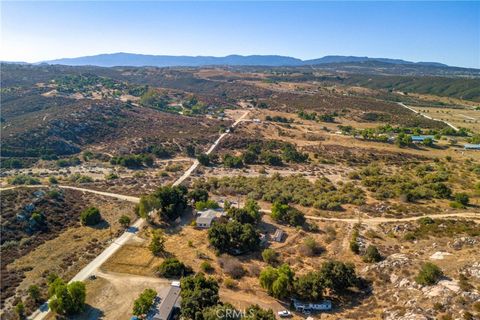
x: 278, y: 235
x: 170, y: 304
x: 471, y: 146
x: 302, y: 306
x: 421, y: 138
x: 206, y: 217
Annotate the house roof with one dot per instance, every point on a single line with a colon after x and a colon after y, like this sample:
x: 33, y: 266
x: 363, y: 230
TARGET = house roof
x: 422, y: 137
x: 472, y: 146
x: 168, y: 303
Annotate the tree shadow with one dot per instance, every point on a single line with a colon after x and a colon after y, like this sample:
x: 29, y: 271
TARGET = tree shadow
x: 90, y: 313
x: 101, y: 225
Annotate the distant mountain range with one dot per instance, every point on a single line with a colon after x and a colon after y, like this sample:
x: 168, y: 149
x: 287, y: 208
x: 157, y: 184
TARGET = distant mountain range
x: 140, y: 60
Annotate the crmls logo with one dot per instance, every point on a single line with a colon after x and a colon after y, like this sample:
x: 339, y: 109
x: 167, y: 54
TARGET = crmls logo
x: 233, y: 314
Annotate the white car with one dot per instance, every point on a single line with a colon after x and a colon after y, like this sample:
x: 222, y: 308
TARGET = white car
x: 284, y: 314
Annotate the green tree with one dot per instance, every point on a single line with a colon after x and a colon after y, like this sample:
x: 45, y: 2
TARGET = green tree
x: 170, y: 201
x: 144, y: 302
x: 222, y: 311
x: 233, y: 237
x: 90, y: 216
x: 198, y: 194
x: 338, y: 276
x: 309, y: 286
x: 67, y: 299
x: 286, y: 214
x: 34, y: 293
x: 157, y: 243
x: 198, y: 293
x: 20, y: 310
x: 277, y: 281
x: 124, y: 220
x: 429, y: 274
x: 203, y: 159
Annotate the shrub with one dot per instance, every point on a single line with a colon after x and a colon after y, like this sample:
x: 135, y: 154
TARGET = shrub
x: 310, y: 247
x: 231, y: 266
x: 90, y: 216
x: 429, y: 274
x: 206, y: 267
x: 173, y: 268
x: 270, y: 256
x: 34, y: 293
x: 462, y: 198
x: 230, y: 283
x: 52, y: 180
x: 23, y: 179
x: 124, y: 220
x: 372, y: 254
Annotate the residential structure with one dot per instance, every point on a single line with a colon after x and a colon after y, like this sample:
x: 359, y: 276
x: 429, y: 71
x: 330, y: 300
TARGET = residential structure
x: 206, y: 217
x: 302, y: 306
x: 170, y: 304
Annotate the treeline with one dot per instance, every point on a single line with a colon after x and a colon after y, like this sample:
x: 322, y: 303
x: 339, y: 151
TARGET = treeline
x: 332, y: 277
x: 321, y: 194
x: 327, y: 117
x: 272, y: 153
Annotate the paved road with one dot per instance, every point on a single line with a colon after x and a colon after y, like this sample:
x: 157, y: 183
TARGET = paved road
x: 43, y: 311
x: 428, y: 117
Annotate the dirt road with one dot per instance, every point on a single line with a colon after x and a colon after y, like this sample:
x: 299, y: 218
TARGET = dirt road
x: 93, y: 266
x: 428, y: 117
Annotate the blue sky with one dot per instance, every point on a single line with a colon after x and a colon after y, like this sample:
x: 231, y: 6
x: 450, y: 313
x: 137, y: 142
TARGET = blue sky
x: 447, y: 32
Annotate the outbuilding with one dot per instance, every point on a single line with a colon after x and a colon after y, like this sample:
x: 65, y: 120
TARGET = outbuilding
x: 303, y: 306
x: 472, y: 146
x: 206, y: 217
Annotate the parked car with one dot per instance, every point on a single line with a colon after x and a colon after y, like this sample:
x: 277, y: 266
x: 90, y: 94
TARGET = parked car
x: 284, y: 314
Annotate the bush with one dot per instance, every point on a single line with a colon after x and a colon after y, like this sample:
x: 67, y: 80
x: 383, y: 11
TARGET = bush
x: 206, y: 267
x: 90, y: 216
x: 462, y: 198
x: 270, y: 256
x: 230, y: 283
x: 429, y: 274
x: 52, y: 180
x: 310, y: 247
x: 124, y: 221
x: 231, y: 266
x: 20, y: 179
x: 173, y: 268
x: 372, y: 254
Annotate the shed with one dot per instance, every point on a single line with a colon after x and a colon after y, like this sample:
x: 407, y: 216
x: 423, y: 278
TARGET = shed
x: 422, y: 138
x: 472, y: 146
x: 303, y: 306
x: 278, y: 235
